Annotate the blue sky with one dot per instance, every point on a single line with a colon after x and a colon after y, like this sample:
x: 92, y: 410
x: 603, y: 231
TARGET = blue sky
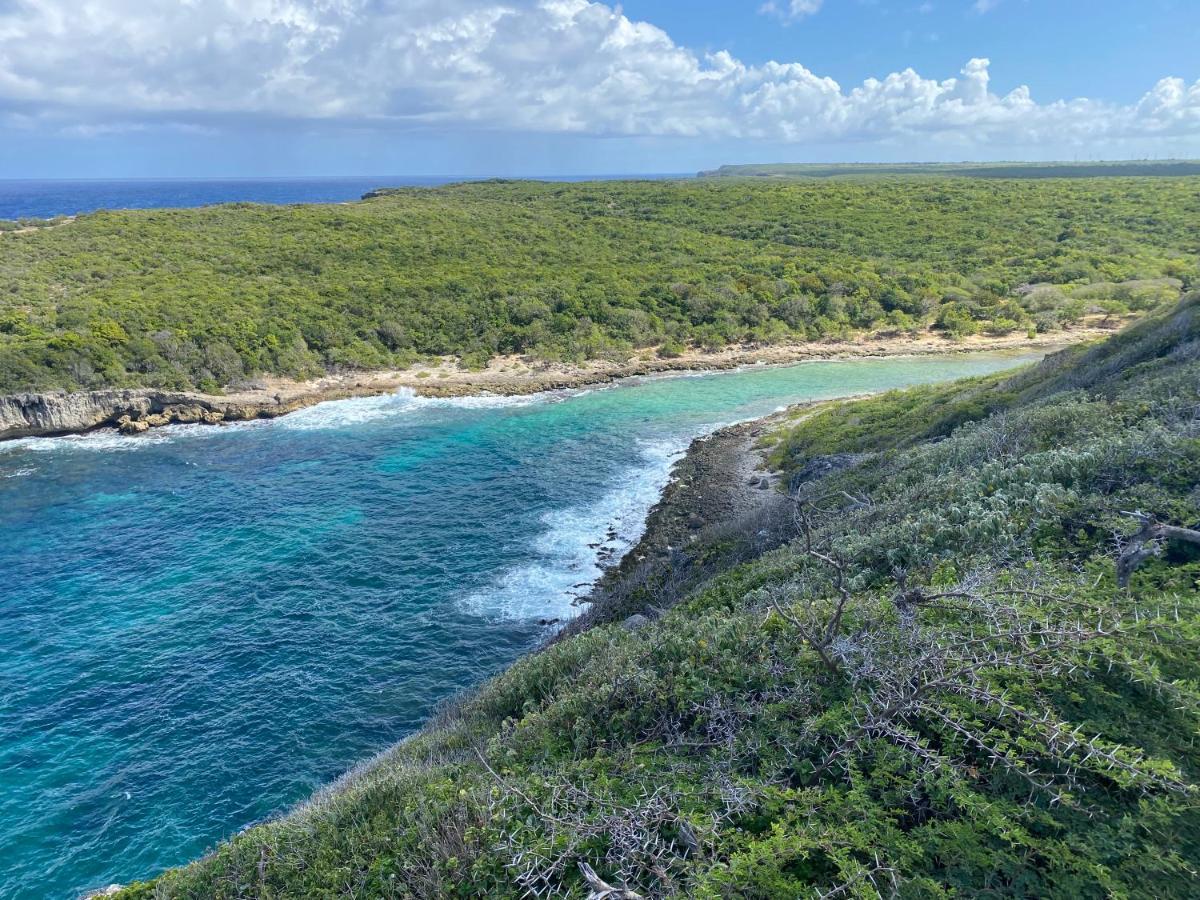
x: 122, y: 88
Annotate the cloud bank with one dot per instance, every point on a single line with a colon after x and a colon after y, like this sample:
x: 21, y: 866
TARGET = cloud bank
x: 552, y: 67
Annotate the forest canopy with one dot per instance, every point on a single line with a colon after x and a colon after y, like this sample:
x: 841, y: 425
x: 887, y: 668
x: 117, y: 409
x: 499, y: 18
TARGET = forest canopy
x: 208, y: 297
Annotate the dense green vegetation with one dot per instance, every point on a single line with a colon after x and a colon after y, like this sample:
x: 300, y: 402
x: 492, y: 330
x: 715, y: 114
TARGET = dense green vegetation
x: 1114, y: 169
x: 209, y: 297
x: 933, y: 686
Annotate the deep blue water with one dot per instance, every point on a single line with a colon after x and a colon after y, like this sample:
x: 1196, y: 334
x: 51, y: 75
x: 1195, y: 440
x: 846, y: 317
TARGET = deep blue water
x: 201, y: 625
x: 40, y: 199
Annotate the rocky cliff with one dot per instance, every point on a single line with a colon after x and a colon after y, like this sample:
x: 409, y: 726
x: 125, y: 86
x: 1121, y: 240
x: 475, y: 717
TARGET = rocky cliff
x: 132, y: 411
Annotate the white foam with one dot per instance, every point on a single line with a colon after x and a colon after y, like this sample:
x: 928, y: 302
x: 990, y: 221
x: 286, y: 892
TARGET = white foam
x: 403, y: 402
x: 353, y: 411
x: 110, y: 439
x: 575, y: 547
x: 495, y: 401
x: 326, y: 415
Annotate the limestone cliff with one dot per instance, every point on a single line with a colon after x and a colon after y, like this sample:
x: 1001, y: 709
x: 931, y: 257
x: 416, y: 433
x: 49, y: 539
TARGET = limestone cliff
x: 25, y: 415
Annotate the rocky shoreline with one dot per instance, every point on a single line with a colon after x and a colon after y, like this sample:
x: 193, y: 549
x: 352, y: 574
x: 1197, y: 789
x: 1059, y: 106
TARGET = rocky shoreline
x: 720, y: 492
x: 719, y: 482
x: 135, y: 410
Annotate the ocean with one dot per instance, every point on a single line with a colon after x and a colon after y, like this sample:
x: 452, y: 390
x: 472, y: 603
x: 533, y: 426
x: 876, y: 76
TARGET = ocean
x: 202, y: 625
x: 42, y: 199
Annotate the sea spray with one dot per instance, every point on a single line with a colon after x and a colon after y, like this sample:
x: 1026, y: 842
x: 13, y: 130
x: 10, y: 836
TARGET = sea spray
x: 578, y: 543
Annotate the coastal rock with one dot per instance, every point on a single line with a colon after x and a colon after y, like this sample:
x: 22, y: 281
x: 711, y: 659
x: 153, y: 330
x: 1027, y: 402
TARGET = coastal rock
x: 111, y: 891
x: 820, y: 466
x: 24, y: 415
x: 126, y: 425
x: 131, y: 411
x: 188, y: 415
x: 634, y: 622
x: 239, y: 413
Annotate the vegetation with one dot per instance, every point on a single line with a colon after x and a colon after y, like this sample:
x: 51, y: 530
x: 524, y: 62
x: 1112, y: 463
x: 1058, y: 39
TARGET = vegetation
x: 968, y: 668
x: 210, y: 297
x: 1115, y: 169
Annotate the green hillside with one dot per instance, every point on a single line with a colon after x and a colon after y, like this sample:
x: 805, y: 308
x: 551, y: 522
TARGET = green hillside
x: 1115, y: 169
x: 961, y: 666
x: 211, y: 297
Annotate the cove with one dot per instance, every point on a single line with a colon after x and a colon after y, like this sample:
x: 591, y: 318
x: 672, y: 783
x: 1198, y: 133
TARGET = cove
x: 201, y: 625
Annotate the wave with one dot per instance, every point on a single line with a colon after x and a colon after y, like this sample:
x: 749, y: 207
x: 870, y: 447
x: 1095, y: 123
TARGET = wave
x: 329, y: 414
x: 110, y: 440
x: 579, y: 543
x: 402, y: 402
x: 349, y: 412
x: 497, y: 401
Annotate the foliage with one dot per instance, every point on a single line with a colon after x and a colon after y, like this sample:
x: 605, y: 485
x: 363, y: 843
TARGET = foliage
x: 1127, y: 168
x: 935, y: 688
x: 209, y: 297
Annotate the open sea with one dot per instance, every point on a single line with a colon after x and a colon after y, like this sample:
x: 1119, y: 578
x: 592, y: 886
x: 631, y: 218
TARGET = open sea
x: 201, y: 625
x: 42, y: 199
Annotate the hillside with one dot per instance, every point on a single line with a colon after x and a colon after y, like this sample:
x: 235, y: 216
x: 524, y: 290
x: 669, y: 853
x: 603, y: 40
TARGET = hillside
x: 1115, y: 169
x: 211, y: 298
x: 962, y: 663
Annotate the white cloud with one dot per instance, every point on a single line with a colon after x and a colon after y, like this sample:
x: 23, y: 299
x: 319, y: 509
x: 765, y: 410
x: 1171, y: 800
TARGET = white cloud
x: 554, y: 66
x: 792, y: 10
x: 985, y: 6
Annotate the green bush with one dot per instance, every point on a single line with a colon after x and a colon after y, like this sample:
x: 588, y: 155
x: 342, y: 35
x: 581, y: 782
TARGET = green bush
x: 168, y: 297
x: 936, y: 687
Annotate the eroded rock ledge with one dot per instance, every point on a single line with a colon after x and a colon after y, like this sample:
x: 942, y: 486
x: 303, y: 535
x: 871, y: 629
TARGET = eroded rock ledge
x: 132, y: 411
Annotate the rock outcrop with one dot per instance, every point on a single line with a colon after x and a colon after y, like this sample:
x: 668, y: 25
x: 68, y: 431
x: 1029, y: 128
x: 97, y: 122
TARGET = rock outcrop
x: 22, y: 415
x: 130, y: 411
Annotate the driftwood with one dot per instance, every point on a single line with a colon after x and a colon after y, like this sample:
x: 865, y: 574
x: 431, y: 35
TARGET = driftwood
x: 1147, y: 542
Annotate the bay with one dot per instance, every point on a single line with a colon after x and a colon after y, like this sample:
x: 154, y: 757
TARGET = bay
x: 201, y: 625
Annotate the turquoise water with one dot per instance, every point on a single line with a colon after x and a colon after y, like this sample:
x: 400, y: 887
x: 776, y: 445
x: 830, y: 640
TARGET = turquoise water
x: 200, y: 626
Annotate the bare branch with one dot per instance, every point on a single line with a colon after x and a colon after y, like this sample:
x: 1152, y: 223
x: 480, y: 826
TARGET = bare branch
x: 601, y: 889
x: 1148, y: 542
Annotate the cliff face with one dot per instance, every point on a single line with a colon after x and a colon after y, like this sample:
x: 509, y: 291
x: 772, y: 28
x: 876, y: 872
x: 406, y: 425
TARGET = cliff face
x: 132, y: 411
x: 37, y: 414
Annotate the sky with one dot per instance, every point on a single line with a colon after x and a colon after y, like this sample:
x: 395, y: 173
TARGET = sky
x: 162, y: 88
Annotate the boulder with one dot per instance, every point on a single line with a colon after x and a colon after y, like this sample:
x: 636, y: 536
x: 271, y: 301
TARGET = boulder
x: 127, y: 425
x: 188, y: 414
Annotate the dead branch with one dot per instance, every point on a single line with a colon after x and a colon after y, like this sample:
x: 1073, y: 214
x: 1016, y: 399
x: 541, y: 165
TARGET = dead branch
x: 601, y: 889
x: 1148, y: 542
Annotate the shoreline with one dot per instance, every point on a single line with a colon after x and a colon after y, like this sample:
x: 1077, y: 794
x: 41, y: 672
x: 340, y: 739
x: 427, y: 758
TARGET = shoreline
x: 136, y: 410
x: 720, y: 483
